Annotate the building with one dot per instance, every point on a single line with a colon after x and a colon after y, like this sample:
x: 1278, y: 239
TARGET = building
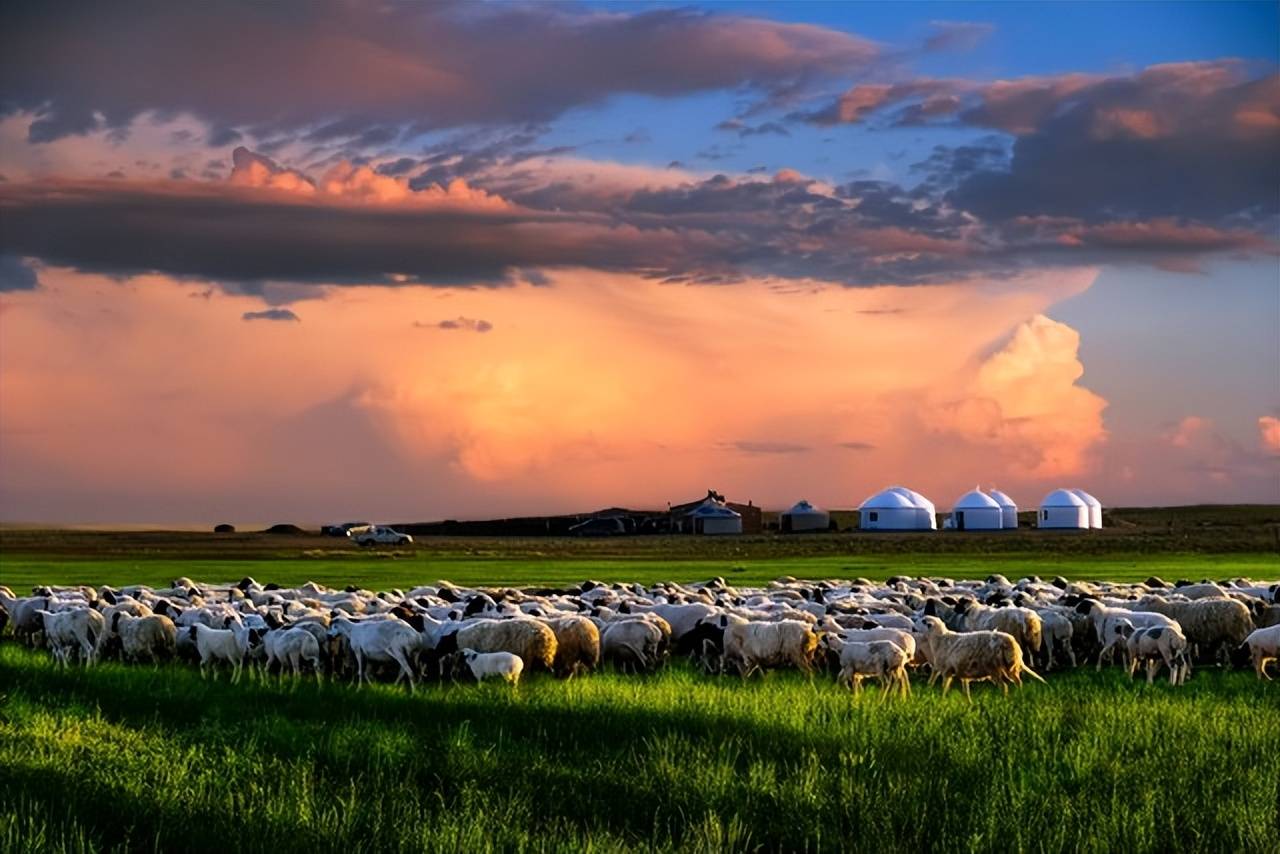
x: 976, y: 511
x: 891, y: 510
x: 803, y: 516
x: 715, y: 518
x: 928, y: 513
x: 1008, y: 509
x: 682, y: 521
x: 1095, y: 507
x: 1062, y: 508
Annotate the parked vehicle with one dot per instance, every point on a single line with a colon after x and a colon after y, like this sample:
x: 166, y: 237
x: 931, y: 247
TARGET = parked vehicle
x: 378, y: 535
x: 343, y: 529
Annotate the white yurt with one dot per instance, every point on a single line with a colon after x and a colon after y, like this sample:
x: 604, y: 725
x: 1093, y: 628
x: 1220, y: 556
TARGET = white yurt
x: 976, y: 511
x: 890, y: 511
x: 1008, y: 509
x: 713, y: 518
x: 928, y: 512
x: 803, y: 516
x: 1062, y: 508
x: 1095, y: 507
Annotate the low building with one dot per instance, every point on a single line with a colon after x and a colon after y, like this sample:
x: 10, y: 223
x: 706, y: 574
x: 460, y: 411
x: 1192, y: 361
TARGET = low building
x: 1063, y: 509
x: 891, y: 510
x: 1008, y: 509
x: 803, y: 516
x: 976, y: 511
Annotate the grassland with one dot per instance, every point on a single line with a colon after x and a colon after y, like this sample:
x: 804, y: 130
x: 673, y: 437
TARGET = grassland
x: 120, y: 758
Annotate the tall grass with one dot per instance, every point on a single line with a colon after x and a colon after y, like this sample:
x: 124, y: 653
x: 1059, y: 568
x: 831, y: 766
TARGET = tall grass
x: 136, y: 758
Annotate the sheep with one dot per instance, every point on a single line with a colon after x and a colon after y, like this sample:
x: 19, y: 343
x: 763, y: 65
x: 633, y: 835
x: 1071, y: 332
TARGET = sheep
x: 755, y: 646
x: 483, y: 665
x: 1213, y: 627
x: 1104, y: 620
x: 577, y: 645
x: 229, y: 645
x: 632, y: 644
x: 1156, y: 644
x: 1022, y: 623
x: 153, y: 637
x: 974, y: 657
x: 293, y: 646
x: 25, y: 619
x: 1264, y: 647
x: 883, y: 659
x: 72, y: 632
x: 533, y: 641
x: 380, y: 641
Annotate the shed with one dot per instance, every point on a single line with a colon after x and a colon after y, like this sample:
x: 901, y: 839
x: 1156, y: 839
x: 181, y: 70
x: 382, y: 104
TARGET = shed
x: 1062, y: 508
x: 889, y: 510
x: 928, y: 512
x: 803, y: 516
x: 1095, y: 507
x: 713, y: 518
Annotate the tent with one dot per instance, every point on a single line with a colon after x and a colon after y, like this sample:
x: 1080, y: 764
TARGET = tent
x: 890, y: 510
x: 1062, y: 508
x: 803, y: 516
x: 1008, y: 509
x: 1095, y: 507
x: 713, y: 518
x: 976, y: 511
x: 928, y: 513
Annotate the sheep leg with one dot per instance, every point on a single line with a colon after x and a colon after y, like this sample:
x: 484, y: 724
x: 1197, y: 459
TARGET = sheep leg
x: 946, y: 685
x: 405, y: 669
x: 964, y: 683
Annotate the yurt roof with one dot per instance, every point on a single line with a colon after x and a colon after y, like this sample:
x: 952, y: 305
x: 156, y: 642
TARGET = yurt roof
x: 802, y: 507
x: 1002, y: 499
x: 715, y: 511
x: 1086, y: 498
x: 916, y: 499
x: 1063, y: 498
x: 975, y: 499
x: 888, y: 499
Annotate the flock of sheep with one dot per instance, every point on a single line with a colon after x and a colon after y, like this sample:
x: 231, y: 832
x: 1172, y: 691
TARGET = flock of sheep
x: 958, y: 630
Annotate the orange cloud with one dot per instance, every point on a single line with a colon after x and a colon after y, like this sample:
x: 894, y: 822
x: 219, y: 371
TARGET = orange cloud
x: 1269, y: 428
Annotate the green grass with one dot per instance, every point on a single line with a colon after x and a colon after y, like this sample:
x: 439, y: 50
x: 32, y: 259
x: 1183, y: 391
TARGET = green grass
x: 140, y: 758
x: 21, y: 572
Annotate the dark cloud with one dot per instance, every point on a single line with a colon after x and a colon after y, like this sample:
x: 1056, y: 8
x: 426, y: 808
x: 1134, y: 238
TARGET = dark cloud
x: 460, y: 323
x: 755, y: 447
x: 379, y: 68
x: 271, y: 314
x: 856, y: 446
x: 956, y: 35
x: 17, y: 275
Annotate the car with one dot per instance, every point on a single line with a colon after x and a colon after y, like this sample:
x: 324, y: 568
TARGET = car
x: 342, y: 530
x: 378, y: 535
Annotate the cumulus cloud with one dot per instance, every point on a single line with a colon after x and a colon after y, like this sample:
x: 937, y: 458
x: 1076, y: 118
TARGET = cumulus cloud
x: 271, y: 314
x: 271, y: 68
x: 1269, y: 433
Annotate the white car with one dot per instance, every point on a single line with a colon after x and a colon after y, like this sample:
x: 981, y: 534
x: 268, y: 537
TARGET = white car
x: 379, y: 535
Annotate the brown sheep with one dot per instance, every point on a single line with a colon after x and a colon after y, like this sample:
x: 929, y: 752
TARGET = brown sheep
x: 577, y: 645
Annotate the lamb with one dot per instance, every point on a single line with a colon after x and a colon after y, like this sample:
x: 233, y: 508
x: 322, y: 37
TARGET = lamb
x: 293, y: 646
x: 755, y: 646
x: 152, y: 637
x: 1264, y: 647
x: 229, y: 645
x: 885, y: 660
x: 577, y: 645
x: 484, y: 665
x: 73, y: 631
x: 533, y: 641
x: 1154, y: 645
x: 974, y: 657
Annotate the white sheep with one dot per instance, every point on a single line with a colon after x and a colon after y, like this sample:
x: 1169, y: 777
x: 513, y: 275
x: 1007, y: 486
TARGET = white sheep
x: 974, y: 657
x: 752, y: 647
x: 380, y: 640
x: 484, y: 665
x: 1264, y: 647
x: 229, y: 645
x: 293, y: 646
x: 1154, y: 645
x: 884, y: 660
x: 72, y: 631
x: 153, y: 637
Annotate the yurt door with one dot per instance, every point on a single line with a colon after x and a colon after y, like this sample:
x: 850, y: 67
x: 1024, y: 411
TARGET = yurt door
x: 959, y: 520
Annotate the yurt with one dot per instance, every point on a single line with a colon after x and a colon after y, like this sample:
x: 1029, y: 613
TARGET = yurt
x: 928, y: 513
x: 891, y: 511
x: 1095, y: 507
x: 803, y: 516
x: 712, y: 518
x: 1062, y: 508
x: 976, y: 511
x: 1008, y: 509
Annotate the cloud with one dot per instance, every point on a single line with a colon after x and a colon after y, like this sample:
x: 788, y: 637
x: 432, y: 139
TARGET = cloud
x: 432, y: 65
x: 17, y: 275
x: 766, y: 447
x: 1188, y: 431
x: 1269, y: 433
x: 856, y: 446
x: 466, y: 323
x: 956, y: 35
x: 271, y: 314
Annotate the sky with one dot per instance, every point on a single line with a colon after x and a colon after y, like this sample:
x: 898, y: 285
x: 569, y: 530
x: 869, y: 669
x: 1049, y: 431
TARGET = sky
x: 314, y: 260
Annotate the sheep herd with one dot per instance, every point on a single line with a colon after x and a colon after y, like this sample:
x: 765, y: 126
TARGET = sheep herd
x: 955, y: 630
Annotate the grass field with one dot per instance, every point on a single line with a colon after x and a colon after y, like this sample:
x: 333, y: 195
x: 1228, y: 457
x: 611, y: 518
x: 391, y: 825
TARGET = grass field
x: 139, y: 759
